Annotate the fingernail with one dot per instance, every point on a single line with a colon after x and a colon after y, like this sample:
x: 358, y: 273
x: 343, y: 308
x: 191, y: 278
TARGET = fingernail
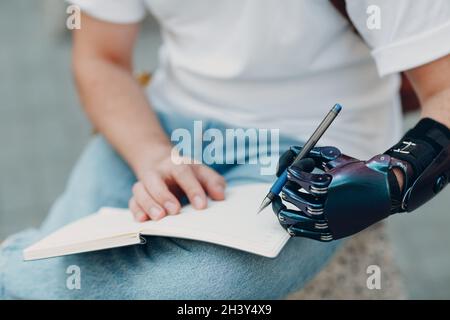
x: 155, y: 212
x: 170, y: 207
x: 140, y: 216
x: 198, y: 202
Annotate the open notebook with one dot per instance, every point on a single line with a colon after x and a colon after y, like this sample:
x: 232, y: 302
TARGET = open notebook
x: 232, y: 223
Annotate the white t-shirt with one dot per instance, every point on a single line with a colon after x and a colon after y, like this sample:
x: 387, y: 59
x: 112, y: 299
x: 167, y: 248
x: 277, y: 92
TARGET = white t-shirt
x: 283, y: 64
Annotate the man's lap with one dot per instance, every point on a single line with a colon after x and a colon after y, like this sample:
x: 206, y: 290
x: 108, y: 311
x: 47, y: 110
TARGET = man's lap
x: 163, y: 267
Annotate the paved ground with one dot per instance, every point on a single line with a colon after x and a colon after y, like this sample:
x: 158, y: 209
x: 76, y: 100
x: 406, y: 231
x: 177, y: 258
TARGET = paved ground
x: 42, y: 130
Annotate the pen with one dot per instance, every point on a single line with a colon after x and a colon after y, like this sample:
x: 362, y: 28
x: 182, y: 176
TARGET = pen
x: 312, y: 141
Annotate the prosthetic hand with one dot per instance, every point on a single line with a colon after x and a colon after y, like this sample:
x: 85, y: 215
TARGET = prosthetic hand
x: 348, y: 195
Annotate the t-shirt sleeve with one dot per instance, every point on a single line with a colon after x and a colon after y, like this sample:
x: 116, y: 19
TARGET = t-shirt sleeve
x: 115, y: 11
x: 411, y: 32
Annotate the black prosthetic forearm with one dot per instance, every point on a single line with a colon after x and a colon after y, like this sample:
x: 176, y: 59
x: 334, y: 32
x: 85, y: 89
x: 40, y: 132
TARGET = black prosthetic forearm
x: 426, y: 148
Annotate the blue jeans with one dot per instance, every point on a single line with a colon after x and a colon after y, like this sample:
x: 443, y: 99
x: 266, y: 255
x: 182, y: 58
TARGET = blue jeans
x: 163, y: 268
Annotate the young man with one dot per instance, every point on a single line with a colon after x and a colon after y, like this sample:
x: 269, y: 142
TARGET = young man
x: 241, y: 64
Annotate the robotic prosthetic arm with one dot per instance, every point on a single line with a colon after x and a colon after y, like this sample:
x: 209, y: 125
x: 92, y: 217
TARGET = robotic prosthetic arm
x: 348, y: 195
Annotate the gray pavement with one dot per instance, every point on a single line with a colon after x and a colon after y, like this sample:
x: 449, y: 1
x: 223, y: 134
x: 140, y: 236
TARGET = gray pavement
x: 42, y: 131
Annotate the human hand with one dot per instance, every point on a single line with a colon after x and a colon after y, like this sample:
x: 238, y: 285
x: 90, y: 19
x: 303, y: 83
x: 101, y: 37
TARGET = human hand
x: 161, y: 183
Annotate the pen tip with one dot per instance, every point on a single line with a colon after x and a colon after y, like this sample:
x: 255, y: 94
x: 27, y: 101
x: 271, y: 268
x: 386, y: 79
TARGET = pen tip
x: 264, y: 204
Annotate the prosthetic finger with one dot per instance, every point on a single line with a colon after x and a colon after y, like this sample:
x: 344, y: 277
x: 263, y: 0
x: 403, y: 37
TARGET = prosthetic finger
x: 320, y: 236
x: 314, y: 183
x: 326, y: 158
x: 320, y: 156
x: 311, y: 205
x: 298, y: 219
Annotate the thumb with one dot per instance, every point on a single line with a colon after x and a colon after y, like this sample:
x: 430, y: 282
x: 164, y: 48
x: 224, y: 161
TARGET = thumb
x: 285, y: 161
x: 305, y: 164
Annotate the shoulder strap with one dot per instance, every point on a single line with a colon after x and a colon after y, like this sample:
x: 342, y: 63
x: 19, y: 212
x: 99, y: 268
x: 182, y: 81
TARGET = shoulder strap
x: 410, y: 102
x: 341, y: 7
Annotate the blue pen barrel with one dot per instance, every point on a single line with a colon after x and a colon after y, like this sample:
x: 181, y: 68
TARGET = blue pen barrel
x: 279, y: 183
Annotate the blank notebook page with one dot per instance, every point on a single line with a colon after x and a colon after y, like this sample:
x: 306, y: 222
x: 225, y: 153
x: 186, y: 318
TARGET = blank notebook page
x: 232, y: 222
